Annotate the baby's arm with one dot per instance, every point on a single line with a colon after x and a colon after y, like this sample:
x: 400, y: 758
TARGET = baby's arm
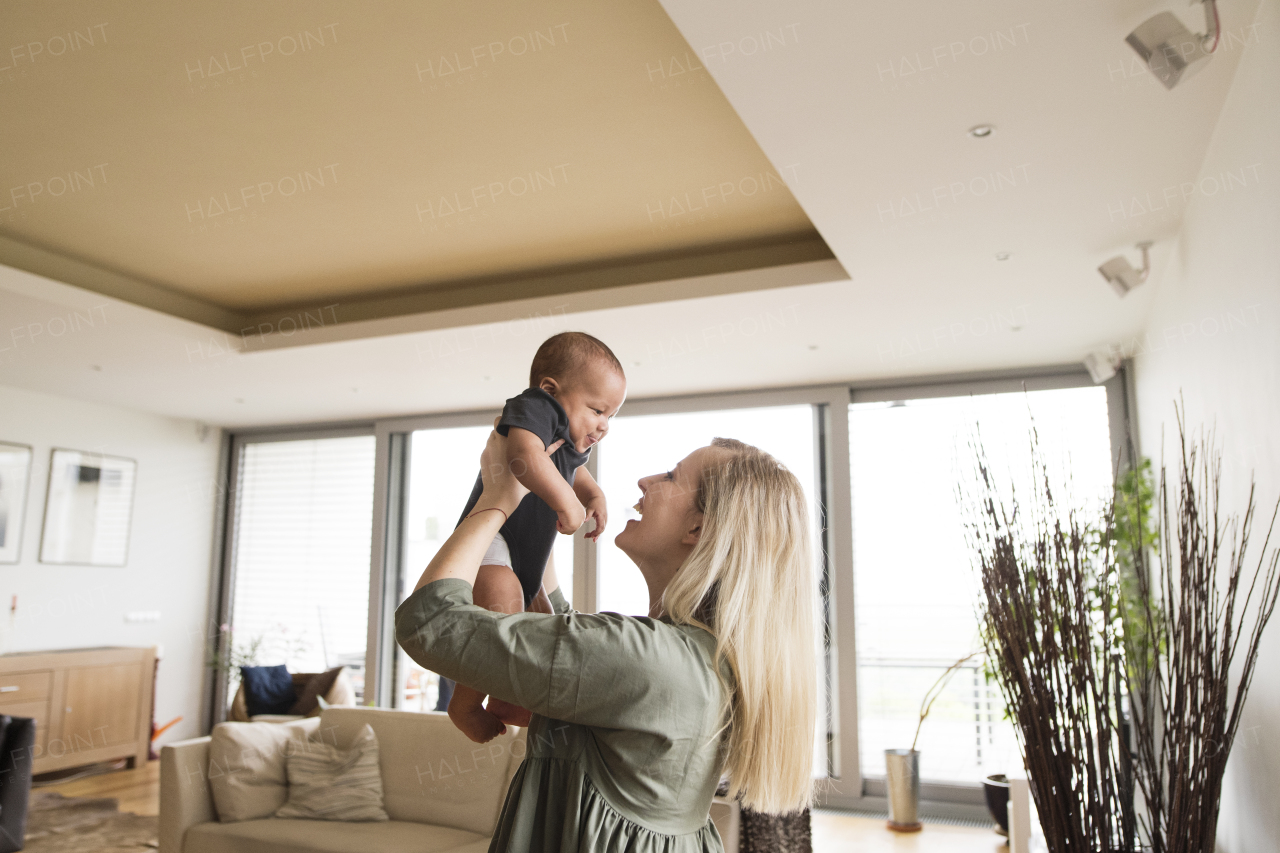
x: 528, y: 460
x: 592, y: 498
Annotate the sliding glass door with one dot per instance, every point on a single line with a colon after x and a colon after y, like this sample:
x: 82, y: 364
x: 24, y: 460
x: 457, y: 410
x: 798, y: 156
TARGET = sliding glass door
x: 640, y: 445
x: 441, y: 466
x: 915, y: 587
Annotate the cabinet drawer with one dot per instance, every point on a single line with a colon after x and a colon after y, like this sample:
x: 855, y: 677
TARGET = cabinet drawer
x: 24, y: 687
x: 38, y: 711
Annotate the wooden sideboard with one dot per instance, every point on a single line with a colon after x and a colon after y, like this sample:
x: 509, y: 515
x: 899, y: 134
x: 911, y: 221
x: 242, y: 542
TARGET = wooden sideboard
x: 90, y: 705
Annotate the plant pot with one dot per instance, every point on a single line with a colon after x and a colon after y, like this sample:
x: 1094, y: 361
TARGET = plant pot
x: 902, y: 784
x: 996, y: 788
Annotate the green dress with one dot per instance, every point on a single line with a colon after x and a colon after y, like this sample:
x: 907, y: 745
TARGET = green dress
x: 623, y: 753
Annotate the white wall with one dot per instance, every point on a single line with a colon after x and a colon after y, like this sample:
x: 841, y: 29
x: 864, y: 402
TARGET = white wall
x: 168, y: 567
x: 1214, y: 337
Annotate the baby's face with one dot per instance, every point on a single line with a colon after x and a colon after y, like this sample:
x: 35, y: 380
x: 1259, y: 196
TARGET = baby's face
x: 590, y: 397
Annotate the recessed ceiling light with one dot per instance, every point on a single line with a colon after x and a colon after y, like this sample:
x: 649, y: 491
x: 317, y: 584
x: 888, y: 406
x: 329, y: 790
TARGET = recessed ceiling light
x: 981, y: 131
x: 1003, y: 256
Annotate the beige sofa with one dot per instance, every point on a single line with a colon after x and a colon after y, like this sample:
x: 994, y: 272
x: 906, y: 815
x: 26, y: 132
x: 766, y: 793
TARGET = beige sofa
x: 442, y: 792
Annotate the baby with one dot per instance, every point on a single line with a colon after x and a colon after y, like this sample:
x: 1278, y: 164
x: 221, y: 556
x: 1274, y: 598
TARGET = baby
x: 576, y: 384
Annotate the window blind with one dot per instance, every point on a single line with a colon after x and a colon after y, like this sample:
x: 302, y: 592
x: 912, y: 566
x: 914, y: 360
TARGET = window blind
x: 301, y: 551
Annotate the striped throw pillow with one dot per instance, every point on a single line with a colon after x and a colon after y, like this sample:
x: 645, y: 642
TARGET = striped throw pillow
x: 328, y: 783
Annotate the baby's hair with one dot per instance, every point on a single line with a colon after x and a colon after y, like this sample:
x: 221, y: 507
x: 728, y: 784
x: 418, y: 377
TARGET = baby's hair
x: 560, y: 354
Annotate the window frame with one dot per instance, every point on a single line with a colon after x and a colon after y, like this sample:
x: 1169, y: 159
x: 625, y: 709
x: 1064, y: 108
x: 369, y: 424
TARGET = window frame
x: 968, y: 801
x: 846, y: 787
x: 390, y: 494
x: 831, y: 456
x: 221, y: 609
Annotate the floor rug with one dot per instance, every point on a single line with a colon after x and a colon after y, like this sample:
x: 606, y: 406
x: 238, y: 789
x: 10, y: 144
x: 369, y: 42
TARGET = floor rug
x: 58, y: 824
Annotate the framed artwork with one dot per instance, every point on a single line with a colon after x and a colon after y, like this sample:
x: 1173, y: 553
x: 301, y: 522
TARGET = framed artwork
x: 88, y: 509
x: 15, y: 472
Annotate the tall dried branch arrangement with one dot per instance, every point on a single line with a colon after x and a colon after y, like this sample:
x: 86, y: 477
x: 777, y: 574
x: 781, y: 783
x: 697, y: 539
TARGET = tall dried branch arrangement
x: 1113, y: 640
x: 1050, y: 624
x: 1185, y: 621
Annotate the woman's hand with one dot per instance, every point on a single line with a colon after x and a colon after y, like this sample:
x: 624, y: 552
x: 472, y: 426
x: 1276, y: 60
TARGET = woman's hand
x: 501, y: 488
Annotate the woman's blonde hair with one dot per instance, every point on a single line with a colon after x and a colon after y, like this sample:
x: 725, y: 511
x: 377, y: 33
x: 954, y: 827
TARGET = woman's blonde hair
x: 749, y: 581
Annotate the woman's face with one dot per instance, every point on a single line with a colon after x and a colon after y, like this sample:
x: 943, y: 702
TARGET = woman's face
x: 670, y: 522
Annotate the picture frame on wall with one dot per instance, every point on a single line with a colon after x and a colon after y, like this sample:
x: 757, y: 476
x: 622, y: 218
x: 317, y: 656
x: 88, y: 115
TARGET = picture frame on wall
x: 88, y: 509
x: 15, y: 475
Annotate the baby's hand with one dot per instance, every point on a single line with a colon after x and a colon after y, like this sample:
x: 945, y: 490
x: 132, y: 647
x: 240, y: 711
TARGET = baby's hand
x: 597, y: 509
x: 569, y: 520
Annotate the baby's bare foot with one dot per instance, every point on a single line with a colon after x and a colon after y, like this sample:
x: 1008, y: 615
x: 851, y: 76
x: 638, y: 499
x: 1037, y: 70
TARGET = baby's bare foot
x: 475, y: 722
x: 508, y: 713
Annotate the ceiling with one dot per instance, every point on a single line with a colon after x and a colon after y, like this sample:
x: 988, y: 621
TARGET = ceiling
x: 257, y: 158
x: 862, y: 115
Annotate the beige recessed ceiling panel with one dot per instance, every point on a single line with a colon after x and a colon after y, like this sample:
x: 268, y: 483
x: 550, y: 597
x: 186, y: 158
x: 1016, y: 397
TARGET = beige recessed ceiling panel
x: 248, y: 157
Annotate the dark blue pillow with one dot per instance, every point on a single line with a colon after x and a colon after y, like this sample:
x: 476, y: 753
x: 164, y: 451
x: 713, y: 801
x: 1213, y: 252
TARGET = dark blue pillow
x: 267, y: 689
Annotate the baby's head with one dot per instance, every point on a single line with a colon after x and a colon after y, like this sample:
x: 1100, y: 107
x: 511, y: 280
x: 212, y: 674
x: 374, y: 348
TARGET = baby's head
x: 586, y: 379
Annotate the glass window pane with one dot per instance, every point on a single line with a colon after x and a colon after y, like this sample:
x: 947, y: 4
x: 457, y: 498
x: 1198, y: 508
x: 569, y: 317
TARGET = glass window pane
x: 916, y: 591
x: 443, y: 464
x: 640, y: 445
x: 302, y: 545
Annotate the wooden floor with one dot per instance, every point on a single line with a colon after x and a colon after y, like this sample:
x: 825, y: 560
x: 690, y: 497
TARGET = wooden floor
x: 833, y: 832
x: 137, y: 790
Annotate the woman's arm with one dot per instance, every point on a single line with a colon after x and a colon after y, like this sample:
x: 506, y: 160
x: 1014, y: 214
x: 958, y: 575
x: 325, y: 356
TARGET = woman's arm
x: 461, y: 553
x: 596, y: 669
x: 550, y: 583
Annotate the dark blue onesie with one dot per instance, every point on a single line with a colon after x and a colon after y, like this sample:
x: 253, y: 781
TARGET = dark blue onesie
x: 531, y: 530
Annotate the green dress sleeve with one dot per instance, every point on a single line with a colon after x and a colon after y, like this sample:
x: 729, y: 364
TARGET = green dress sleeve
x: 559, y: 604
x: 592, y: 669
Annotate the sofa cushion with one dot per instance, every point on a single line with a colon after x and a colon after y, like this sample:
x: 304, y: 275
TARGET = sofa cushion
x: 317, y: 685
x: 431, y: 772
x: 328, y: 783
x: 267, y: 689
x: 280, y: 835
x: 247, y: 766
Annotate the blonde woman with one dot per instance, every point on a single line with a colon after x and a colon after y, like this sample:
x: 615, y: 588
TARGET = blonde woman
x: 636, y: 719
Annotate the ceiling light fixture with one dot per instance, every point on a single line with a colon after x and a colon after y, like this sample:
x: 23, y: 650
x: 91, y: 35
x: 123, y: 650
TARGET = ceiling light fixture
x: 1121, y: 274
x: 1170, y: 50
x: 981, y: 131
